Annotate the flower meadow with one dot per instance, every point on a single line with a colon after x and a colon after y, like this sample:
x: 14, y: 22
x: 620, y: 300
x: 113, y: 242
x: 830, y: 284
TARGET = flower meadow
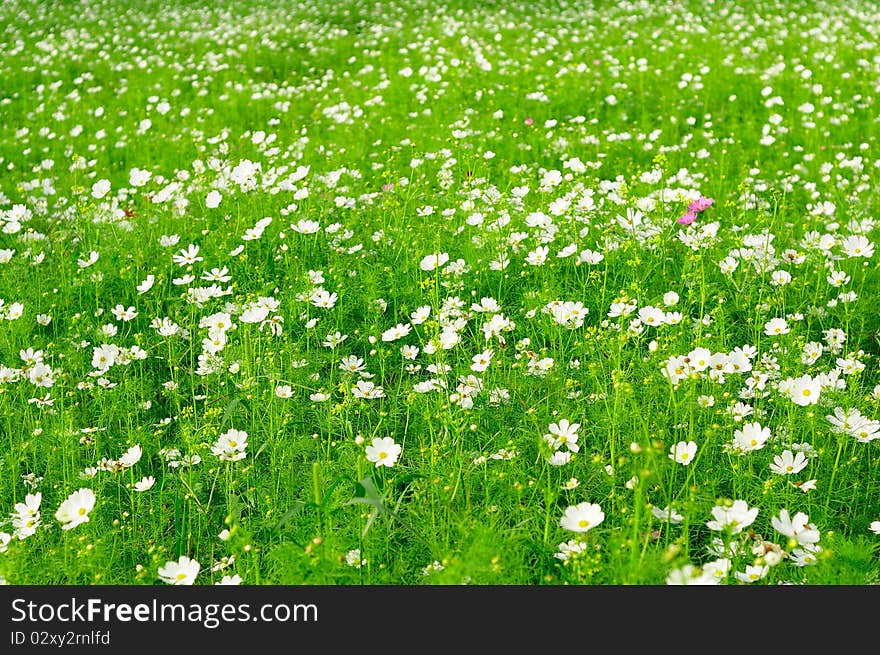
x: 420, y: 293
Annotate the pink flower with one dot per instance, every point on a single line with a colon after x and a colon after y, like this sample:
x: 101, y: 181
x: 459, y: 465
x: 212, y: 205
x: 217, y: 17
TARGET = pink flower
x: 529, y: 121
x: 700, y: 204
x: 687, y: 218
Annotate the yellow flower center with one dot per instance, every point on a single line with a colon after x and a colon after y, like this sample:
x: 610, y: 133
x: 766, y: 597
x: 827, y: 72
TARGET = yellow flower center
x: 82, y: 511
x: 583, y: 523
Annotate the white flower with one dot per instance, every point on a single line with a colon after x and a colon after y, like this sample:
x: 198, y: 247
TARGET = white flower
x: 181, y: 572
x: 145, y: 483
x: 75, y: 510
x: 397, y: 332
x: 367, y: 390
x: 284, y: 391
x: 806, y: 555
x: 803, y: 390
x: 797, y: 527
x: 735, y: 517
x: 100, y: 189
x: 138, y: 177
x: 752, y: 573
x: 582, y: 517
x: 538, y: 256
x: 104, y: 356
x: 718, y: 568
x: 431, y: 262
x: 667, y: 514
x: 857, y: 245
x: 563, y: 434
x: 776, y: 326
x: 383, y: 451
x: 559, y: 458
x: 230, y: 580
x: 231, y: 445
x: 188, y: 255
x: 683, y: 452
x: 147, y: 284
x: 26, y: 518
x: 569, y: 549
x: 482, y: 360
x: 788, y: 463
x: 751, y: 437
x: 305, y: 226
x: 353, y: 558
x: 690, y: 575
x: 40, y: 375
x: 131, y: 457
x: 806, y: 486
x: 420, y: 315
x: 212, y: 200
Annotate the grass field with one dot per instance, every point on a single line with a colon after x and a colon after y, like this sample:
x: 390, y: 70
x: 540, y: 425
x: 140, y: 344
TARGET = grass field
x: 439, y: 293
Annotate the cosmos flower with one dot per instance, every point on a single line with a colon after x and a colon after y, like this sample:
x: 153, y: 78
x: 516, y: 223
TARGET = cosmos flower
x: 804, y: 390
x: 145, y: 483
x: 138, y: 177
x: 667, y: 514
x: 231, y: 446
x: 797, y: 527
x: 570, y: 549
x: 397, y: 332
x: 683, y: 452
x: 734, y: 517
x: 230, y: 580
x: 582, y: 517
x: 212, y: 200
x: 857, y: 245
x: 367, y: 390
x: 306, y: 226
x: 383, y: 451
x: 563, y: 434
x: 181, y: 572
x: 26, y: 515
x: 131, y: 456
x: 750, y: 437
x: 100, y: 189
x: 687, y: 218
x: 776, y: 326
x: 75, y: 510
x: 689, y: 574
x: 753, y: 573
x: 433, y: 261
x: 700, y: 204
x: 788, y: 463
